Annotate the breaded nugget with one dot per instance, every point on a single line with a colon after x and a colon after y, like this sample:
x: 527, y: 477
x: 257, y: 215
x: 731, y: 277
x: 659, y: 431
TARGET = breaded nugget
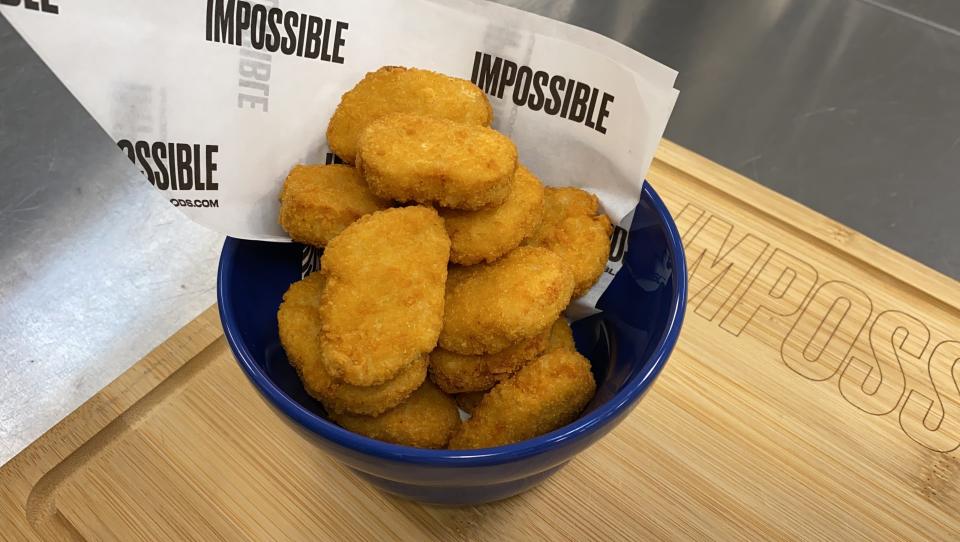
x: 572, y: 228
x: 426, y: 419
x: 299, y: 322
x: 382, y: 306
x: 436, y: 161
x: 366, y: 400
x: 492, y: 306
x: 317, y: 202
x: 454, y: 373
x: 561, y: 336
x: 583, y: 243
x: 393, y: 89
x: 488, y: 234
x: 457, y: 373
x: 548, y: 393
x: 469, y: 401
x: 563, y: 202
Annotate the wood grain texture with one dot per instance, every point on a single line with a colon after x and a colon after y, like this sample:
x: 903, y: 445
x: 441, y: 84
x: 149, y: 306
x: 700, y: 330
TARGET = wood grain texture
x: 813, y: 395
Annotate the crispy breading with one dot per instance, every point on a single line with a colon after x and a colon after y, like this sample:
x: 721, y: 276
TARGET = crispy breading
x: 583, y: 243
x: 492, y: 306
x: 318, y: 201
x: 573, y: 229
x: 546, y: 394
x: 426, y: 419
x: 394, y: 89
x: 563, y: 202
x: 428, y: 160
x: 299, y: 322
x: 561, y: 336
x: 469, y: 401
x: 454, y: 373
x: 457, y: 373
x: 488, y: 234
x: 382, y: 307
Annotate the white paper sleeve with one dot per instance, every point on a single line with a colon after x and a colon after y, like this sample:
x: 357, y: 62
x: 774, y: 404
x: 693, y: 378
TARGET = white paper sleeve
x: 214, y: 101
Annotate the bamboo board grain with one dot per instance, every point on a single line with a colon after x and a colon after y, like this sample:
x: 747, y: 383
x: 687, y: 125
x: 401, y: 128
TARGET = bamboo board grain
x: 813, y: 395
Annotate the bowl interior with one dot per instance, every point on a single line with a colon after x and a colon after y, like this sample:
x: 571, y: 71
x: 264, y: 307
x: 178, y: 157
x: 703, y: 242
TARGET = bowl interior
x: 627, y: 343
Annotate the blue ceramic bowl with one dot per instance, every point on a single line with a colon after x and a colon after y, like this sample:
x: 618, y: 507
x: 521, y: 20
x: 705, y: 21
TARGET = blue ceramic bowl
x: 628, y: 344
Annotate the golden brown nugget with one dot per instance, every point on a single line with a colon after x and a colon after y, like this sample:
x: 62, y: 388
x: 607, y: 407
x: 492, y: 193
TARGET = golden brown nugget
x: 469, y: 401
x: 457, y: 373
x: 492, y: 306
x: 560, y: 203
x: 488, y: 234
x: 548, y: 393
x: 382, y: 307
x: 393, y: 89
x: 318, y: 201
x: 561, y: 336
x: 453, y: 373
x: 573, y: 227
x: 436, y: 161
x: 511, y: 358
x: 299, y: 322
x: 583, y: 243
x: 426, y: 419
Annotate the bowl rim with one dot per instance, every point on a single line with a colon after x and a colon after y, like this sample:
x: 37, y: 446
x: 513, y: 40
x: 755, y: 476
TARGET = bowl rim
x: 574, y: 431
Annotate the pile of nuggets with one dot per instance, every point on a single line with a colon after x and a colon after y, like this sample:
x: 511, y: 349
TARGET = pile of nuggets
x: 446, y: 268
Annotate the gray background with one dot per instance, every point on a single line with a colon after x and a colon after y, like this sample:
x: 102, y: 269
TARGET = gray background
x: 849, y: 106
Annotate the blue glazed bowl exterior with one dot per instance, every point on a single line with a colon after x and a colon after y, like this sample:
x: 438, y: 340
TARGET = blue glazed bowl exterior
x: 628, y: 344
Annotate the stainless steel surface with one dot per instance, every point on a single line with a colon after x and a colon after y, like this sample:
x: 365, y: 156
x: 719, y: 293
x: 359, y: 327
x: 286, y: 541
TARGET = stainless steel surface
x: 95, y: 269
x: 849, y: 106
x: 941, y: 14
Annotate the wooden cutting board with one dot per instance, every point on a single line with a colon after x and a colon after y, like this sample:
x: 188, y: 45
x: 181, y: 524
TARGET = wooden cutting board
x: 813, y: 395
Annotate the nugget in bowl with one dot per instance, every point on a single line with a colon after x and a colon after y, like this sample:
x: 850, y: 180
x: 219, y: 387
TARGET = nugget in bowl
x: 382, y: 304
x: 415, y: 158
x: 492, y: 306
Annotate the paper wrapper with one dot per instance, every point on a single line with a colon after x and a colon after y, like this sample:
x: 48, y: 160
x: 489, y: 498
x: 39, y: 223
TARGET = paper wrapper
x: 215, y: 100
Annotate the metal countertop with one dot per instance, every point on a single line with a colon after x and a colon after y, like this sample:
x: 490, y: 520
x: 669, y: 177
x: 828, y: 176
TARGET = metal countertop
x: 849, y: 106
